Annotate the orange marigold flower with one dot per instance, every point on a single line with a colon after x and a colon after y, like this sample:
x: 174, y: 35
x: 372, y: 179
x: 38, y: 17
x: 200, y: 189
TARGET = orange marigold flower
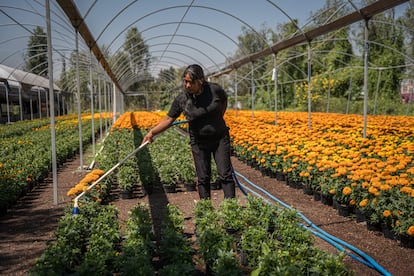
x: 97, y: 172
x: 363, y: 202
x: 410, y: 230
x: 386, y: 213
x: 373, y: 190
x: 332, y: 191
x: 347, y: 190
x: 352, y: 202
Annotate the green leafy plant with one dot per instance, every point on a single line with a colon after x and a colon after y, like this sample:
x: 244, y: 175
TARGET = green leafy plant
x: 230, y: 213
x: 174, y: 248
x: 137, y: 248
x: 227, y: 264
x: 127, y: 176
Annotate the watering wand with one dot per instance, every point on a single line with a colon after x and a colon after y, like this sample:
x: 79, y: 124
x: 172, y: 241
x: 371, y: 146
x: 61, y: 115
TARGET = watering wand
x: 75, y: 210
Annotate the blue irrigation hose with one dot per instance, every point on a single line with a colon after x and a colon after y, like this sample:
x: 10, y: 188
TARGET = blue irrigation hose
x: 237, y: 181
x: 179, y: 122
x: 316, y: 233
x: 324, y: 235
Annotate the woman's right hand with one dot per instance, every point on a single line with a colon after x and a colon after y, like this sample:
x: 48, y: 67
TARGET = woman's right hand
x: 148, y: 138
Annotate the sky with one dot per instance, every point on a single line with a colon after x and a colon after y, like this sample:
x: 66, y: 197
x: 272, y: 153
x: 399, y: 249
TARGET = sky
x: 206, y: 33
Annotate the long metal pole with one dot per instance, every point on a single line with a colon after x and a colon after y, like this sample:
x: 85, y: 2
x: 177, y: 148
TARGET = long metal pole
x: 309, y: 86
x: 52, y: 104
x: 39, y: 102
x: 7, y: 103
x: 274, y: 77
x: 100, y: 106
x: 79, y: 101
x: 329, y: 92
x: 114, y: 103
x: 376, y: 91
x: 366, y: 48
x: 253, y: 90
x: 21, y: 103
x: 92, y: 105
x: 106, y: 106
x: 235, y: 93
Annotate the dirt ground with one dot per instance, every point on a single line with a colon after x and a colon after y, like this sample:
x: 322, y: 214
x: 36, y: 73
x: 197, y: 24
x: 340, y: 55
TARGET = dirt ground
x: 26, y: 228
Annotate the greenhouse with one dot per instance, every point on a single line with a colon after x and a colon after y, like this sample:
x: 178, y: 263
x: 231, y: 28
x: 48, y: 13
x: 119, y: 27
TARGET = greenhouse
x: 319, y: 106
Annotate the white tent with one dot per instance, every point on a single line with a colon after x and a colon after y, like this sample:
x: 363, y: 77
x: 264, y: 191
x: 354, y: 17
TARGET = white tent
x: 13, y: 75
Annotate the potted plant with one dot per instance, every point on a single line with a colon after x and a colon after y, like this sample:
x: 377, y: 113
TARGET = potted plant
x: 127, y: 179
x: 230, y: 213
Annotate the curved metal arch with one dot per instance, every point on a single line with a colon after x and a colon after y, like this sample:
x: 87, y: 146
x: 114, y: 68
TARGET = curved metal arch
x: 130, y: 81
x: 144, y: 77
x: 35, y: 13
x: 170, y: 8
x: 55, y: 49
x: 169, y: 23
x: 190, y: 37
x: 290, y: 18
x: 385, y: 46
x: 361, y: 14
x: 126, y: 73
x: 167, y: 64
x: 176, y: 22
x: 186, y: 46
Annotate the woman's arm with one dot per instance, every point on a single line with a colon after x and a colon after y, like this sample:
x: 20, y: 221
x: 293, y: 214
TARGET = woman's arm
x: 165, y: 123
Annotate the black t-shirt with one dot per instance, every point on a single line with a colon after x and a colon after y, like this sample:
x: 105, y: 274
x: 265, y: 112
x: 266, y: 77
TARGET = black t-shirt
x: 208, y: 125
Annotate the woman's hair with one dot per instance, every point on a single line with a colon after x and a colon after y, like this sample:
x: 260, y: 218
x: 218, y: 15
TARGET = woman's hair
x: 195, y: 71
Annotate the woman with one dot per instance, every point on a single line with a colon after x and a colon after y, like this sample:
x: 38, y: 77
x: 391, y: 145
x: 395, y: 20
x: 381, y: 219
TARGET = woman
x: 204, y: 104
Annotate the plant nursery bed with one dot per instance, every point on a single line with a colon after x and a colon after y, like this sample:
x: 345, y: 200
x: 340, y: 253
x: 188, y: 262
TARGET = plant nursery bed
x: 27, y: 227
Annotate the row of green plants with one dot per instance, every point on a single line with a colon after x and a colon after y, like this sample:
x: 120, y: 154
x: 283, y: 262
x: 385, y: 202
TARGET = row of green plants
x: 92, y: 242
x: 21, y: 127
x: 26, y: 153
x: 261, y: 239
x: 84, y: 244
x: 168, y: 160
x: 255, y: 239
x: 136, y: 171
x: 231, y: 240
x: 172, y: 158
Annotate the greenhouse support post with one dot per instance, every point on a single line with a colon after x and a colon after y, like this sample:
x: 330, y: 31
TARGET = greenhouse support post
x: 52, y: 103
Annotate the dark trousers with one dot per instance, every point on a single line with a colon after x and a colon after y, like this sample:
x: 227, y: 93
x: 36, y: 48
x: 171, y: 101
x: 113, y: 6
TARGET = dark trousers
x: 220, y: 150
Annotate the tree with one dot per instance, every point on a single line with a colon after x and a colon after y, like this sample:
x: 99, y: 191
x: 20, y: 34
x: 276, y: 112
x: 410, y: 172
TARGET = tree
x: 137, y: 52
x: 408, y: 21
x: 166, y: 78
x: 252, y: 41
x: 138, y: 57
x: 386, y: 49
x: 36, y: 55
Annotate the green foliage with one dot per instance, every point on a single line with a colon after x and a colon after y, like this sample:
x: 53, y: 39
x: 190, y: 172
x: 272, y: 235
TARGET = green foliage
x: 101, y: 249
x: 26, y: 158
x: 78, y: 245
x: 230, y: 214
x: 174, y: 248
x: 272, y: 241
x: 137, y: 248
x: 227, y: 264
